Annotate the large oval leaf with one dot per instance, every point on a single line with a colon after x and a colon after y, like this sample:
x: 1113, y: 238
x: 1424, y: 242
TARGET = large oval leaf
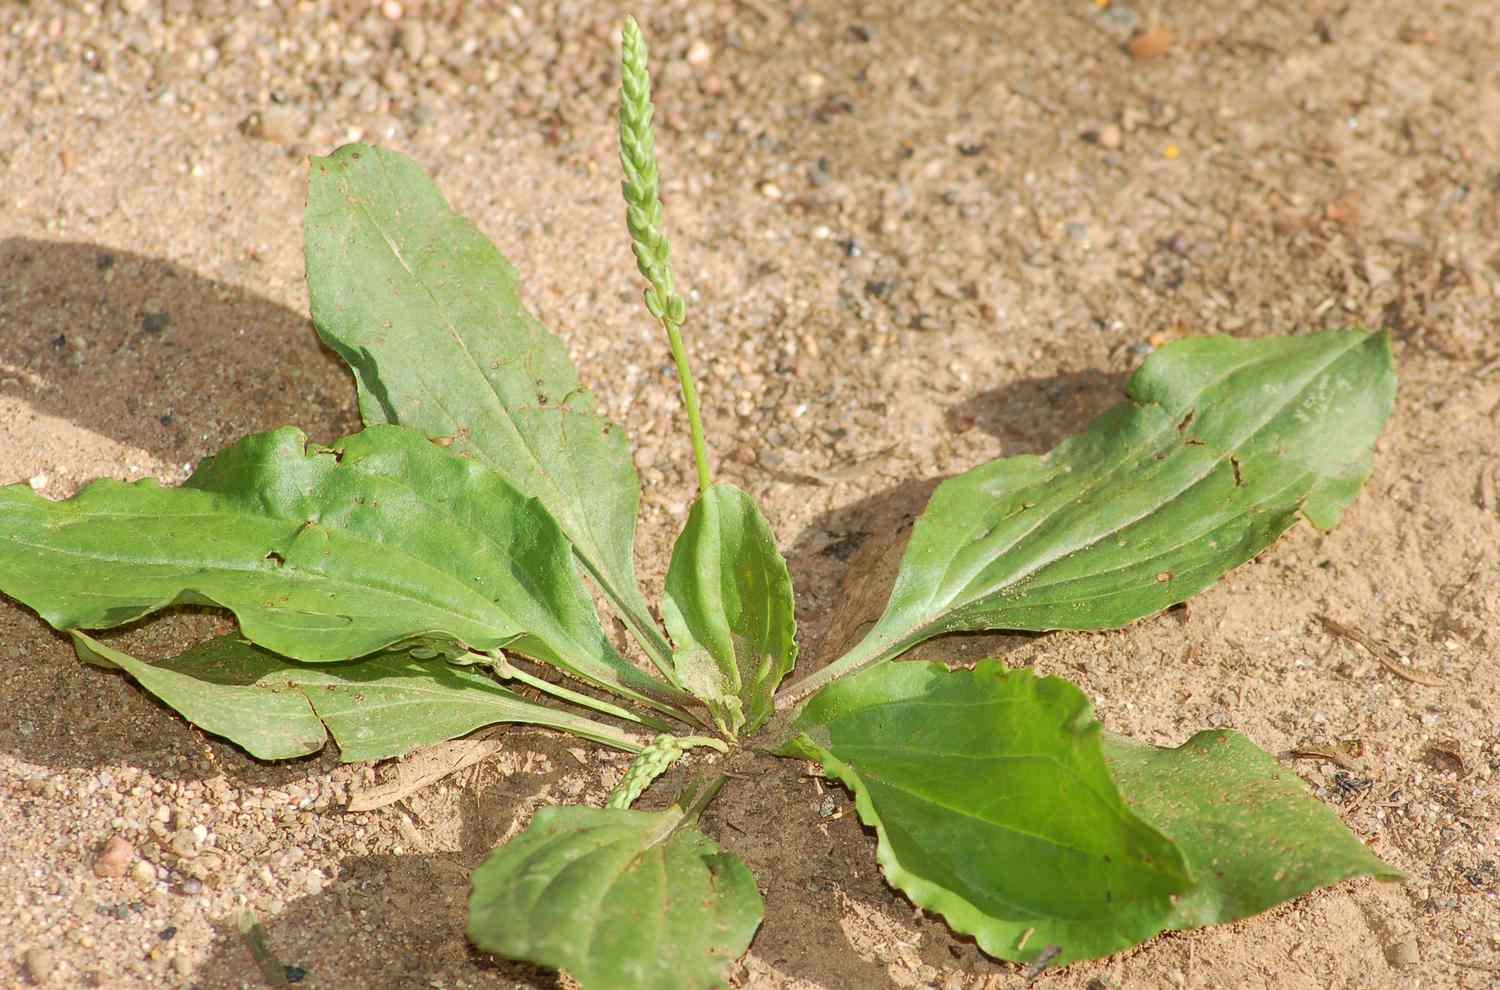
x: 999, y: 803
x: 428, y: 314
x: 622, y: 900
x: 385, y: 705
x: 729, y: 609
x: 321, y: 554
x: 1221, y: 444
x: 994, y: 807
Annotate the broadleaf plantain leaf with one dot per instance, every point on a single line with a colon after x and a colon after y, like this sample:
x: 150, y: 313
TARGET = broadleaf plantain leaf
x: 385, y: 705
x: 999, y: 803
x: 622, y: 900
x: 1251, y: 833
x: 428, y: 315
x: 994, y: 807
x: 1221, y: 443
x: 729, y: 608
x: 322, y: 554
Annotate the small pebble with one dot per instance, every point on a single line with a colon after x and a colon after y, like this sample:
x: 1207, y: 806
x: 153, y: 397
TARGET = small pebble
x: 412, y: 39
x: 40, y: 965
x: 186, y: 844
x: 143, y: 872
x: 699, y: 53
x: 279, y: 125
x: 1150, y: 44
x: 1404, y: 954
x: 770, y: 190
x: 114, y: 858
x: 1110, y: 137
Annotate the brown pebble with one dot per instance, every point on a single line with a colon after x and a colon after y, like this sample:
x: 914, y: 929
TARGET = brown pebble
x: 114, y: 859
x: 143, y: 872
x: 1150, y: 44
x: 1404, y: 954
x: 40, y: 965
x: 412, y: 39
x: 279, y: 125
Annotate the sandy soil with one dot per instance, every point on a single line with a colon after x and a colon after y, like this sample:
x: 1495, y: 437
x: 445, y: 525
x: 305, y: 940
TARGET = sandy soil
x: 919, y: 235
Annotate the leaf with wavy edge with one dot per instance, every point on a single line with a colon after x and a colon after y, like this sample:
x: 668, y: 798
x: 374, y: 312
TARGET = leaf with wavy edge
x: 322, y: 554
x: 621, y: 900
x: 1221, y: 444
x: 428, y: 315
x: 999, y: 803
x: 994, y: 807
x: 385, y: 705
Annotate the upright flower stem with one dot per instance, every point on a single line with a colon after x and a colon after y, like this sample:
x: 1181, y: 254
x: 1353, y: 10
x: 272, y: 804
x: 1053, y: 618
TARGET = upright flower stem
x: 643, y: 218
x: 690, y: 403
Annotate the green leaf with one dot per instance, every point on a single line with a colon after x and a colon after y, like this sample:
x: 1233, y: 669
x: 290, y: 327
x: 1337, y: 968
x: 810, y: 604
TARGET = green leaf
x: 1219, y: 446
x: 729, y: 609
x: 999, y: 803
x: 1251, y: 833
x: 428, y: 314
x: 385, y: 705
x: 322, y: 554
x: 994, y: 807
x: 620, y: 899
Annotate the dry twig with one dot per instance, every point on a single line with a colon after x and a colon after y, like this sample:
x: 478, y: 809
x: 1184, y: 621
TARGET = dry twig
x: 428, y: 767
x: 1382, y: 653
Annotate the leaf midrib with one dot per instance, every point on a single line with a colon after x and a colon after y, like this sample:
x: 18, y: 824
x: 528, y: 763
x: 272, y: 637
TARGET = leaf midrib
x: 930, y: 614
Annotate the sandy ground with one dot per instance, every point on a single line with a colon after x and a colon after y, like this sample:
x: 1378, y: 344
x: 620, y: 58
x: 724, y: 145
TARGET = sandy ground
x: 918, y: 236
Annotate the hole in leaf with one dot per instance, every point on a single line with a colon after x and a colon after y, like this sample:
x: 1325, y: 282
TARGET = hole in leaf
x: 276, y: 558
x: 1186, y: 420
x: 1239, y: 477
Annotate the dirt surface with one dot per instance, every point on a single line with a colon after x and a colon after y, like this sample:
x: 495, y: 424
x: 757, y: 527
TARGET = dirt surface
x: 918, y: 236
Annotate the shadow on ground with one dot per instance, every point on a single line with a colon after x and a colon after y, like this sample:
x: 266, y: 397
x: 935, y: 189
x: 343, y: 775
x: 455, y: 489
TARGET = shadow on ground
x: 95, y: 336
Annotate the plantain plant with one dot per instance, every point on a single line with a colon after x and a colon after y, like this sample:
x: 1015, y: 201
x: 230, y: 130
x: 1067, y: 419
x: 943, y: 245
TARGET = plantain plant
x: 402, y: 587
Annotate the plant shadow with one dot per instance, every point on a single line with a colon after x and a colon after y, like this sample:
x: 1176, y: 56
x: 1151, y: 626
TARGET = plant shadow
x: 154, y: 356
x: 397, y: 918
x: 845, y: 562
x: 109, y: 358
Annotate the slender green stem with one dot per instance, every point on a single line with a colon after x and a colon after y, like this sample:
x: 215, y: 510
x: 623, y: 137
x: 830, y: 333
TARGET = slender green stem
x: 865, y: 654
x: 507, y: 671
x: 690, y: 403
x: 701, y: 799
x: 692, y: 742
x: 646, y: 634
x: 648, y: 241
